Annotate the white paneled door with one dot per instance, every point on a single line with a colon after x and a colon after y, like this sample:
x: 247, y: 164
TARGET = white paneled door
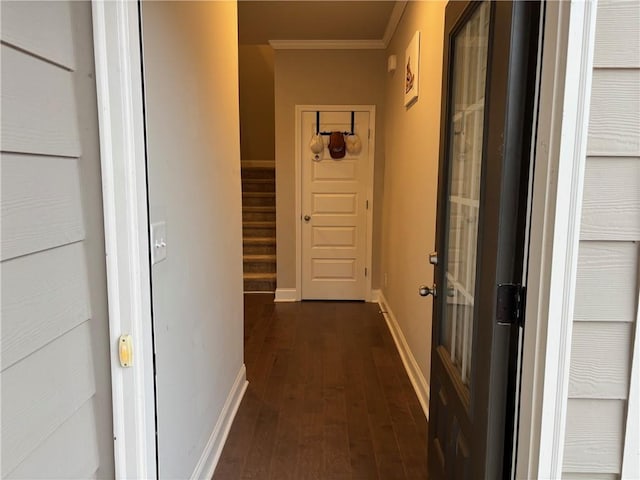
x: 334, y: 210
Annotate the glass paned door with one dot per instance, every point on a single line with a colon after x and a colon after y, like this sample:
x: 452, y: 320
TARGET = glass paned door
x: 465, y: 162
x: 489, y: 78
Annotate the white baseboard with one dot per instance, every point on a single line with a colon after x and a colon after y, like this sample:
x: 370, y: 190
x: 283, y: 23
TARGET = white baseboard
x: 211, y: 454
x: 420, y: 384
x: 375, y: 296
x: 286, y: 295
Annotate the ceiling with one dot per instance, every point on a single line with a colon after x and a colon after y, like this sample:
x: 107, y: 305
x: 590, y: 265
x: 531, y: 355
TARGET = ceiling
x: 261, y: 21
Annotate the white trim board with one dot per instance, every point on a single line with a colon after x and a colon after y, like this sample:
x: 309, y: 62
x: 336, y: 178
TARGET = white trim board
x: 206, y: 466
x: 371, y: 44
x: 420, y: 384
x: 287, y: 295
x: 631, y: 450
x: 394, y: 20
x: 124, y: 190
x: 375, y: 295
x: 298, y: 198
x: 564, y: 96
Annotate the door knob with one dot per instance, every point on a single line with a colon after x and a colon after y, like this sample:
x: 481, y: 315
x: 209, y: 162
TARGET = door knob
x: 433, y: 258
x: 425, y: 291
x: 307, y: 218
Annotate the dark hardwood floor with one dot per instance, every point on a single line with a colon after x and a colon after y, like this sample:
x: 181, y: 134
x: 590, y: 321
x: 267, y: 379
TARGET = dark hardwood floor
x: 328, y: 397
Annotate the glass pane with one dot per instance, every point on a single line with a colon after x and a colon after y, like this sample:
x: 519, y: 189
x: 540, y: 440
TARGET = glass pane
x: 465, y: 164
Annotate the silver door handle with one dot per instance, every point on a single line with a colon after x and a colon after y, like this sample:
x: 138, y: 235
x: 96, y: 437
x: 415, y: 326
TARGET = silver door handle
x: 425, y: 291
x: 433, y: 258
x: 307, y: 218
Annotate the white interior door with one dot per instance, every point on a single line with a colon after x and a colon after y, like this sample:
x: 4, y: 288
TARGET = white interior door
x: 334, y: 203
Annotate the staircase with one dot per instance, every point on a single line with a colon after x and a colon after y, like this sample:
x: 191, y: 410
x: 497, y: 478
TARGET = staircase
x: 259, y: 225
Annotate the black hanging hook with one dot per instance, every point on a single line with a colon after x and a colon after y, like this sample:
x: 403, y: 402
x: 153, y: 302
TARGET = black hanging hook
x: 352, y: 132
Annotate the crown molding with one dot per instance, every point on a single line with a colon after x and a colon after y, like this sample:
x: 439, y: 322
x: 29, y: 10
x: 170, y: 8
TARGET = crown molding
x: 394, y: 20
x: 374, y: 44
x: 327, y: 44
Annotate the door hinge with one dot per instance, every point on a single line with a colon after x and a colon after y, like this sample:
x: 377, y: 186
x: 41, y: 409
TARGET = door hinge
x: 510, y: 304
x: 365, y: 271
x: 367, y: 204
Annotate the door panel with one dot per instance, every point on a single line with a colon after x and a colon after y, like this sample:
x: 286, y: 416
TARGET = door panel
x: 333, y: 197
x: 488, y: 77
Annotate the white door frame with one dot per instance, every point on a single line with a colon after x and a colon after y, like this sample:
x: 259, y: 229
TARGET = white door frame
x: 560, y: 155
x: 369, y: 188
x: 116, y: 35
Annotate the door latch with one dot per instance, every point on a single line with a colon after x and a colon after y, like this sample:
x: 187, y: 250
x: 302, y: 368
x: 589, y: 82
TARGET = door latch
x: 125, y: 350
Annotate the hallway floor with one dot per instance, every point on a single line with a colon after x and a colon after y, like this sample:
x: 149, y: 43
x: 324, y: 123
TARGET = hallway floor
x: 328, y: 397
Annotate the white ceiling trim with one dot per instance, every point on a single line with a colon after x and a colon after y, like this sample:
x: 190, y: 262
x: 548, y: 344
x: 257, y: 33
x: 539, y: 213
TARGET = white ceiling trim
x: 394, y: 19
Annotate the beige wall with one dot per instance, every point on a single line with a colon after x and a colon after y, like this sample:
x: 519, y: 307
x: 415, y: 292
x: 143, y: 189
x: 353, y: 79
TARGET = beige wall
x: 327, y: 78
x: 257, y: 102
x: 410, y: 184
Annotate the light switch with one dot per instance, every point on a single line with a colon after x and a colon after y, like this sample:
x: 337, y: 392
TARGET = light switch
x: 158, y: 242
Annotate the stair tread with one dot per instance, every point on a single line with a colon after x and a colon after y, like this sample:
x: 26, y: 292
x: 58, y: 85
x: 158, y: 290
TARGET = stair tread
x: 258, y: 208
x: 258, y: 163
x: 259, y: 240
x: 258, y: 194
x: 259, y: 257
x: 259, y: 180
x: 259, y: 224
x: 259, y: 276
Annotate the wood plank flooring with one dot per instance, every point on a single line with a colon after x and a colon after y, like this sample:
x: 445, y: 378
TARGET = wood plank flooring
x: 328, y: 397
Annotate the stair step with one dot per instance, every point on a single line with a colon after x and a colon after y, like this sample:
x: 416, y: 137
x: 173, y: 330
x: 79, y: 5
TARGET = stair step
x: 259, y: 194
x: 270, y: 258
x: 248, y: 173
x: 258, y: 229
x: 259, y: 282
x: 258, y: 185
x: 258, y: 213
x: 258, y: 208
x: 269, y: 181
x: 259, y: 263
x: 259, y: 276
x: 259, y: 199
x: 259, y: 245
x: 259, y: 240
x: 259, y: 224
x: 258, y: 164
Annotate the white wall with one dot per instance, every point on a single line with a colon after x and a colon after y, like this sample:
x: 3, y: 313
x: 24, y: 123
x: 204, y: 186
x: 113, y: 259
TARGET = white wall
x: 191, y: 87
